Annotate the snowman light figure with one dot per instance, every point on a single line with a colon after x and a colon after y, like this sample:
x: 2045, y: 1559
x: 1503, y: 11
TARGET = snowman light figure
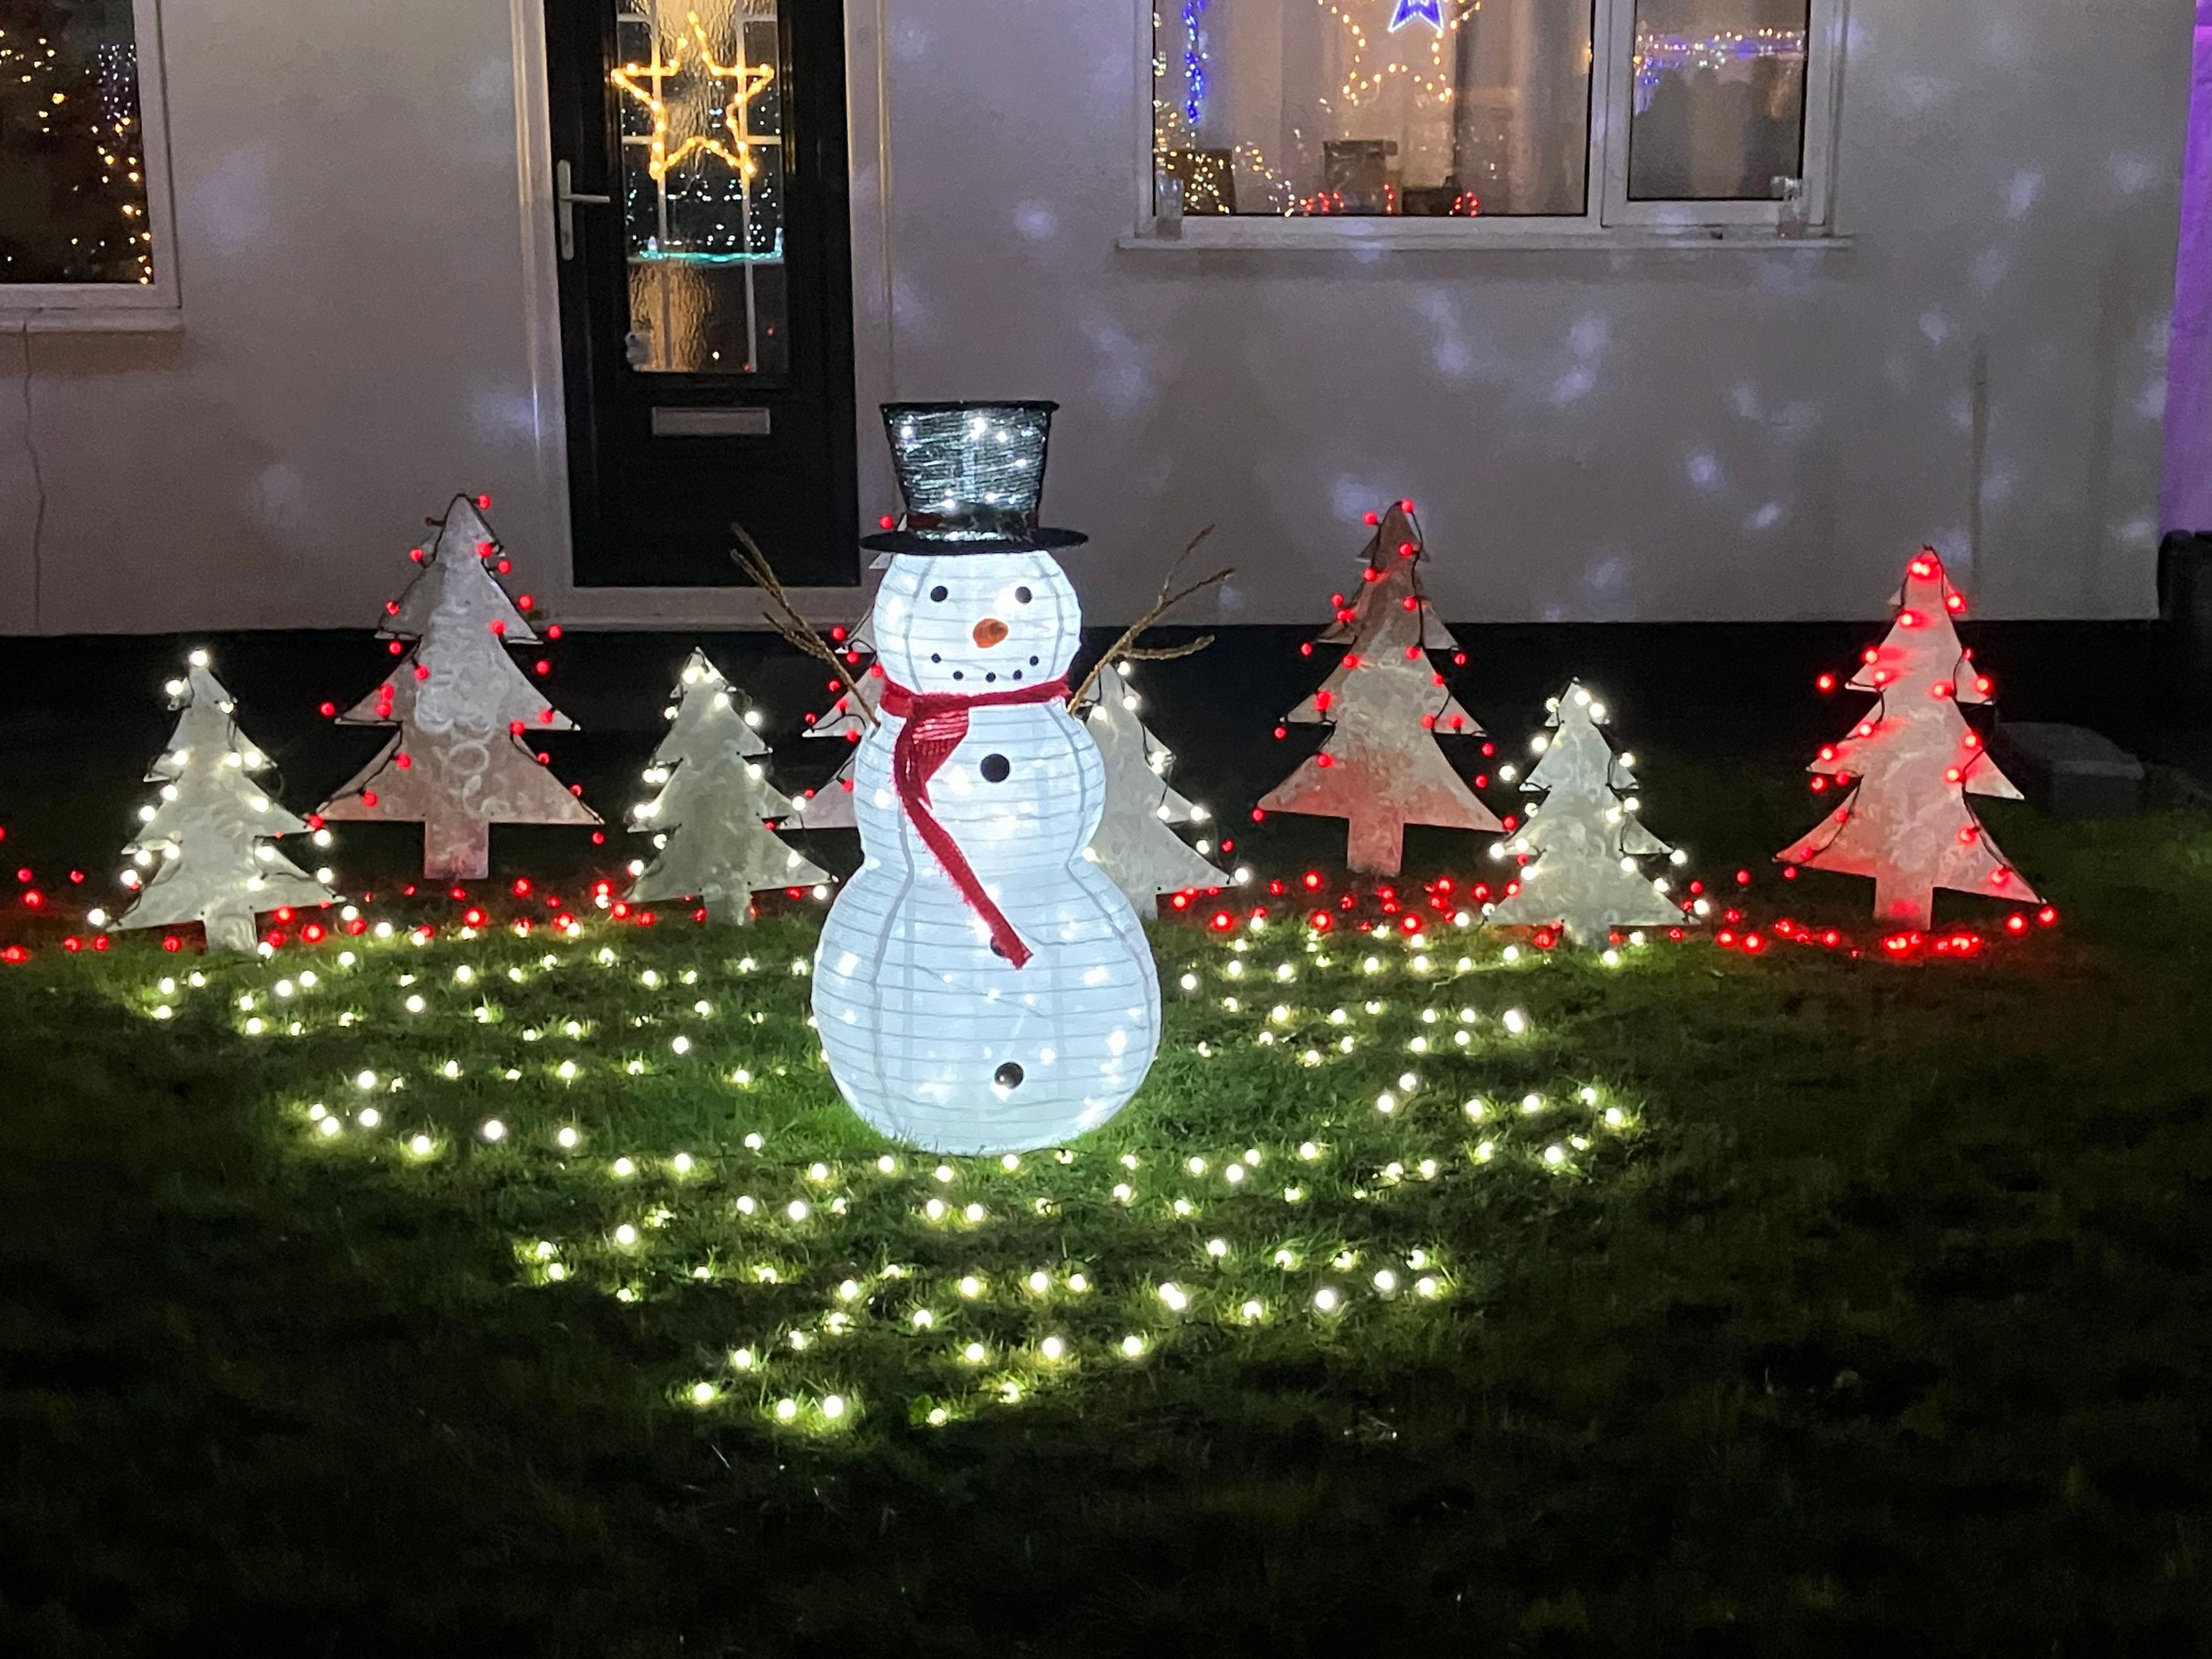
x: 980, y: 986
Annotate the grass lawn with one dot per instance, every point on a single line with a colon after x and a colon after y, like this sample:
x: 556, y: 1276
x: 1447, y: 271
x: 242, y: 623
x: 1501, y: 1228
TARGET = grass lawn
x: 1776, y: 1304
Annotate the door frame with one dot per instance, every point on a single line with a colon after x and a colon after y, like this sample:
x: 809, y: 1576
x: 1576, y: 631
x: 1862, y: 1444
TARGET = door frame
x: 874, y: 363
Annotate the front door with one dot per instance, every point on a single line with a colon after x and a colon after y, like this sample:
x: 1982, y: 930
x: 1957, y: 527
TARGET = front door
x: 706, y: 287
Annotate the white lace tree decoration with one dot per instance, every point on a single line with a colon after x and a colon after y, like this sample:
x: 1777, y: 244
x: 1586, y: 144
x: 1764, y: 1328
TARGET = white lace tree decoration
x: 464, y: 757
x: 1909, y: 766
x: 710, y: 821
x: 830, y: 806
x: 1585, y: 838
x: 1135, y: 845
x: 210, y: 841
x: 1381, y: 768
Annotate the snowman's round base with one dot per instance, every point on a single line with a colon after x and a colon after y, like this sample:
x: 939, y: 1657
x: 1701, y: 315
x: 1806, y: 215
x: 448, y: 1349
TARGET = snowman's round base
x: 962, y: 1134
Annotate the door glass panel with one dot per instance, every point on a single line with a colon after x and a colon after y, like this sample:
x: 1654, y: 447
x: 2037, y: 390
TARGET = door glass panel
x: 1720, y: 100
x: 699, y: 88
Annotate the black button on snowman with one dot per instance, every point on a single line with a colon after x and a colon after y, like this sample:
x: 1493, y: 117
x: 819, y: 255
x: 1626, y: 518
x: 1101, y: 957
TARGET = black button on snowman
x: 980, y: 986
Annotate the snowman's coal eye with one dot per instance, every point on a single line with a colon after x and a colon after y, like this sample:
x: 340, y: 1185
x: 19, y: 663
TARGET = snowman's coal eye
x: 937, y: 593
x: 1021, y: 596
x: 1008, y: 1076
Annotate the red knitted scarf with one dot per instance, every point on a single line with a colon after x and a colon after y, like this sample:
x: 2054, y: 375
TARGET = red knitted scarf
x: 936, y: 722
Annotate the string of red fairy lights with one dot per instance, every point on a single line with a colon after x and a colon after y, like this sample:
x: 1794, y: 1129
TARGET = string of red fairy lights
x: 1312, y: 899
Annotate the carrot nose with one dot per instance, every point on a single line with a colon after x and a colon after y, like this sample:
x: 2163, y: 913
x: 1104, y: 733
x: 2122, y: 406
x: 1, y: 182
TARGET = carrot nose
x: 989, y: 631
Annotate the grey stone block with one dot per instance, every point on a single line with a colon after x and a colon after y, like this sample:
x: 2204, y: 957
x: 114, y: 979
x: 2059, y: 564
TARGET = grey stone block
x: 2070, y: 771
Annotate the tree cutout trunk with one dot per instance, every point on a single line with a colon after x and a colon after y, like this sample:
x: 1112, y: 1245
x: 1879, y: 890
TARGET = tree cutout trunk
x: 728, y: 909
x: 1375, y: 841
x: 230, y: 927
x: 455, y: 848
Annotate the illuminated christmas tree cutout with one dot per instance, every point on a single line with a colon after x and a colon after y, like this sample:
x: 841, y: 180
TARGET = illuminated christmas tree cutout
x: 462, y: 759
x: 1135, y: 845
x: 1380, y: 769
x: 830, y: 806
x: 209, y: 839
x: 1585, y: 836
x: 1909, y: 766
x: 1389, y: 616
x: 710, y: 819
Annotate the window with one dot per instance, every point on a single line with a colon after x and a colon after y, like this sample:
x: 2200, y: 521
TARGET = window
x: 83, y: 173
x: 1587, y: 114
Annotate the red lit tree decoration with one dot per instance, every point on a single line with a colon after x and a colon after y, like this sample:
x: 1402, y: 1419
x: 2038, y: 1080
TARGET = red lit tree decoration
x: 1910, y: 764
x: 464, y: 756
x: 830, y: 806
x: 1381, y: 768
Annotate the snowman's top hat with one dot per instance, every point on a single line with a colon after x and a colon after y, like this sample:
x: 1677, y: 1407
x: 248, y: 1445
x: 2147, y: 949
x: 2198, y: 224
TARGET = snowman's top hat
x: 972, y: 475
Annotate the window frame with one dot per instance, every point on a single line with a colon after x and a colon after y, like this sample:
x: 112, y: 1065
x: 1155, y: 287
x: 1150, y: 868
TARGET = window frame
x: 122, y: 304
x: 1609, y: 219
x: 1823, y: 54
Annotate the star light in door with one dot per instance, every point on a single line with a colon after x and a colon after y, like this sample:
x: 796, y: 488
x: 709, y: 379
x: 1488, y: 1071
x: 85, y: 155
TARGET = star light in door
x: 646, y: 82
x: 1430, y: 12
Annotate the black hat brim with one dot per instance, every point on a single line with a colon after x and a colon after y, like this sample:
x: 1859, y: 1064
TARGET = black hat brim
x: 914, y: 541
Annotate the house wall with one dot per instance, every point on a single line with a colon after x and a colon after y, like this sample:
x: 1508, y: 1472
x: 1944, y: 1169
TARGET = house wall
x: 2188, y: 497
x: 1589, y: 435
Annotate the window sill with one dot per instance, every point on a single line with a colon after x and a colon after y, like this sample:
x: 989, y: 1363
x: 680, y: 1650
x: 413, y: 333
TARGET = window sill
x: 1358, y: 235
x: 16, y: 319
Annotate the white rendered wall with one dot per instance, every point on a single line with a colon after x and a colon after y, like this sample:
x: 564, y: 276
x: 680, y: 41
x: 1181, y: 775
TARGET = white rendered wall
x: 353, y: 351
x: 1630, y: 435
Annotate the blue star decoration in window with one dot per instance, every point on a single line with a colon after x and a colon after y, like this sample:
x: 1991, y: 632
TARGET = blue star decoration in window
x: 1430, y: 12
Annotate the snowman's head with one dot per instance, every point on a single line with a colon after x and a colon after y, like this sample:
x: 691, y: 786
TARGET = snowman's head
x: 972, y: 623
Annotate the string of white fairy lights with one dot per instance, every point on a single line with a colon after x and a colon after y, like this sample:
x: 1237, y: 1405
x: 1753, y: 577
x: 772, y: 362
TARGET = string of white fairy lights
x: 986, y: 1330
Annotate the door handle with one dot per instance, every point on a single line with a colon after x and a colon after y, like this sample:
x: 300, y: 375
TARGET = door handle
x: 566, y: 201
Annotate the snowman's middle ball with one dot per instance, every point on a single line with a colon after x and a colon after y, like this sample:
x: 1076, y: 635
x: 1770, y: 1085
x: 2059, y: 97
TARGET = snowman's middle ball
x: 932, y: 1035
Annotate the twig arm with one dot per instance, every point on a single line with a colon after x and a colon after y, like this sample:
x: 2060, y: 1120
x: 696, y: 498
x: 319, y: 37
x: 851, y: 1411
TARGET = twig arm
x: 1127, y: 645
x: 778, y: 611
